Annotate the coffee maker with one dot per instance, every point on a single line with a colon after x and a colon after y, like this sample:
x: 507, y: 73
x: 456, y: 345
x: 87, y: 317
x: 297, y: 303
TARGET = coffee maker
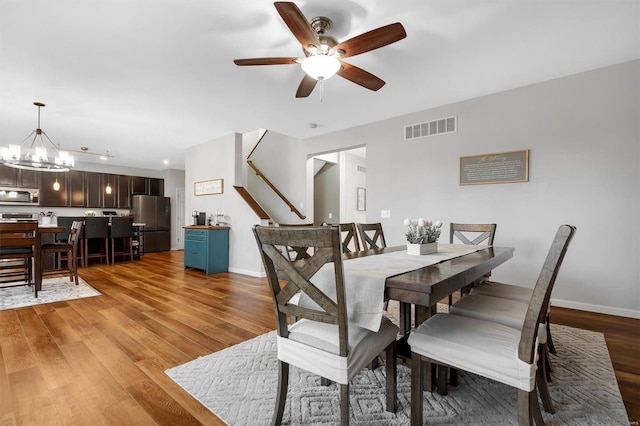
x: 194, y: 214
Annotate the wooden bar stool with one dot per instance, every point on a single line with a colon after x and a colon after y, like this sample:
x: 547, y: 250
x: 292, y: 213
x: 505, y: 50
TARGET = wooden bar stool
x: 122, y: 229
x: 96, y: 228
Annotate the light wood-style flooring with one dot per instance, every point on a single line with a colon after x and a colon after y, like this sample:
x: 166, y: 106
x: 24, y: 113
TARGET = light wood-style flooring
x: 101, y: 360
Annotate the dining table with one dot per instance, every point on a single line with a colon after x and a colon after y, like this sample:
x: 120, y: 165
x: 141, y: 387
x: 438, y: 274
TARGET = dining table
x: 422, y: 288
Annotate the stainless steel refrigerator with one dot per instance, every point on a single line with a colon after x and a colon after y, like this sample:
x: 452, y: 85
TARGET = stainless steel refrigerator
x: 155, y: 213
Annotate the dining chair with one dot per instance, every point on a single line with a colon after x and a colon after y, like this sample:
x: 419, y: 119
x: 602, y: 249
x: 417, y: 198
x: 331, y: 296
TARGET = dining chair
x: 121, y: 229
x: 70, y: 248
x: 471, y: 234
x: 489, y: 349
x: 349, y: 237
x: 18, y: 256
x: 321, y: 341
x: 63, y: 237
x: 296, y: 253
x: 96, y: 228
x: 371, y: 235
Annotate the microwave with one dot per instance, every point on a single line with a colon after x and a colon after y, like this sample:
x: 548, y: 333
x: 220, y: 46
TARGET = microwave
x: 19, y: 196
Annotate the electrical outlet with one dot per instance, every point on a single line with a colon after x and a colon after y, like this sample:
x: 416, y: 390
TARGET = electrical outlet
x: 385, y: 214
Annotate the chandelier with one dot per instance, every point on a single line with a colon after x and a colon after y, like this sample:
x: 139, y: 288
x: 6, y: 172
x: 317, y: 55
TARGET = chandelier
x: 34, y: 156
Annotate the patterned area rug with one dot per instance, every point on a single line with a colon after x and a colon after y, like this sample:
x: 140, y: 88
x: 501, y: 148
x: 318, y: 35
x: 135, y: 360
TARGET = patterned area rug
x: 238, y: 384
x: 53, y: 290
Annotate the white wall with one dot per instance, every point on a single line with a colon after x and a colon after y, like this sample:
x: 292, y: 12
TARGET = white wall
x: 350, y: 180
x: 214, y: 160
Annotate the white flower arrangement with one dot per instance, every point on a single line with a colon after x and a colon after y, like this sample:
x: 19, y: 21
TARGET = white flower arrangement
x: 89, y: 213
x: 422, y: 231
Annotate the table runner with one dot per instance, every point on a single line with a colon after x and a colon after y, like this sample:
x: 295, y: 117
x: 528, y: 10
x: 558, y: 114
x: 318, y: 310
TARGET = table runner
x: 364, y: 280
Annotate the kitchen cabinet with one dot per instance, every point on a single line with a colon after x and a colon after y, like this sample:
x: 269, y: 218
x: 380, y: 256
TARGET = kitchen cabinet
x: 110, y: 200
x: 124, y: 192
x: 19, y: 178
x: 77, y: 189
x: 49, y: 197
x: 156, y: 186
x: 94, y: 188
x: 206, y: 248
x: 138, y: 185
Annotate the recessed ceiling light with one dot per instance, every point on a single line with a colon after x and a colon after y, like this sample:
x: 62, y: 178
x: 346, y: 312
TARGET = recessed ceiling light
x: 104, y: 158
x: 166, y: 161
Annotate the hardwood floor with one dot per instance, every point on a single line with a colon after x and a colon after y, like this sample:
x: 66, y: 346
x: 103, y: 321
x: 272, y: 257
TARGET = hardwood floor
x: 101, y: 360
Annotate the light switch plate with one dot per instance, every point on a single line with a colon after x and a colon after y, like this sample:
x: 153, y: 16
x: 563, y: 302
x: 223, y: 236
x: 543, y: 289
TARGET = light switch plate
x: 385, y: 213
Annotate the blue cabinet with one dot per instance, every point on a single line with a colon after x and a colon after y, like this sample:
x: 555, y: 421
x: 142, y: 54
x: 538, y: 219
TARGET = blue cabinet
x: 206, y: 248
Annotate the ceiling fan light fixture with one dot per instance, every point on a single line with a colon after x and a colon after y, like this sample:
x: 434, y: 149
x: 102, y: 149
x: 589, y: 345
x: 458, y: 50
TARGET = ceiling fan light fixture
x: 320, y: 66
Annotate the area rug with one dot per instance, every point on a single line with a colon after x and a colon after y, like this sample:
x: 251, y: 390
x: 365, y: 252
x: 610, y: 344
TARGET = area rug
x: 238, y: 384
x: 53, y: 290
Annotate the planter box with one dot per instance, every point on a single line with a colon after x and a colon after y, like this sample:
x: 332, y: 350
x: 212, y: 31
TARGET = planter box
x: 418, y: 249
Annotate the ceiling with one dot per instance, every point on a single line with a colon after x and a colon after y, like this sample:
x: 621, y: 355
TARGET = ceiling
x: 146, y: 80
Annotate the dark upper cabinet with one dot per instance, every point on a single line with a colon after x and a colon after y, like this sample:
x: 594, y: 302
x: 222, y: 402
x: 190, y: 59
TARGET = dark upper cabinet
x: 94, y: 189
x: 138, y: 185
x: 49, y: 197
x: 124, y: 192
x: 77, y: 189
x: 18, y: 178
x: 156, y: 186
x: 110, y: 197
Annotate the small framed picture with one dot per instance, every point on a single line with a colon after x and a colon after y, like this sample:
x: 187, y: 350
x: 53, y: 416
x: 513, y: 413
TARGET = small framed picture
x: 361, y: 199
x: 208, y: 187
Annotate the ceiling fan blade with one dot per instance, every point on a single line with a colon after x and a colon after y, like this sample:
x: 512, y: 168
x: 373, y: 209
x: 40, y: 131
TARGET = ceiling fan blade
x: 265, y: 61
x: 306, y: 86
x: 360, y: 76
x: 371, y: 40
x: 297, y: 23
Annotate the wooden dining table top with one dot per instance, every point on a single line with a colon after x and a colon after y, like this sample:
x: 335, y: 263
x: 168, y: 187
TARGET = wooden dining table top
x: 428, y: 285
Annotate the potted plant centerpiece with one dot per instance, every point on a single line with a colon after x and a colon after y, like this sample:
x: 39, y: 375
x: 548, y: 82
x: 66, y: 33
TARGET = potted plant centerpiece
x: 422, y: 236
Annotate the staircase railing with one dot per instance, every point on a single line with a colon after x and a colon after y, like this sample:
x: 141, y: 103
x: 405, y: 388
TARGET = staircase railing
x: 273, y: 187
x: 257, y: 209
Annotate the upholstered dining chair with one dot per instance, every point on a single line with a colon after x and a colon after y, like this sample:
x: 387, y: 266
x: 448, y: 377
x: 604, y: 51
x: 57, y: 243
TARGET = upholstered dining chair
x: 471, y: 234
x: 70, y: 248
x: 371, y: 235
x: 121, y: 229
x: 496, y: 351
x: 349, y: 236
x: 96, y: 229
x: 321, y: 341
x: 18, y: 256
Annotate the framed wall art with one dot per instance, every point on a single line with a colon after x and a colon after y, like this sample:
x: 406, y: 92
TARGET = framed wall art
x: 209, y: 187
x: 499, y: 167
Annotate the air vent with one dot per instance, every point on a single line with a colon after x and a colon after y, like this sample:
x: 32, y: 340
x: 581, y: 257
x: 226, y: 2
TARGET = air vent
x: 430, y: 128
x: 360, y: 168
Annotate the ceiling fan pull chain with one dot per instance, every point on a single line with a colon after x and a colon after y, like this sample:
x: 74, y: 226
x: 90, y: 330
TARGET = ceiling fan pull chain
x: 321, y: 79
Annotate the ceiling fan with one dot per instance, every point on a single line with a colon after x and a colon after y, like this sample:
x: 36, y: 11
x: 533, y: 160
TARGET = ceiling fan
x: 323, y: 54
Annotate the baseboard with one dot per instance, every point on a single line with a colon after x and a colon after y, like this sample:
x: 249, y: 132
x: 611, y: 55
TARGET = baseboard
x: 629, y: 313
x: 256, y: 274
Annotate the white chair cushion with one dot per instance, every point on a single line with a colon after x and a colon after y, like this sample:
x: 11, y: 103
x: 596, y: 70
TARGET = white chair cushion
x: 314, y: 346
x: 482, y: 347
x: 506, y: 291
x: 503, y: 311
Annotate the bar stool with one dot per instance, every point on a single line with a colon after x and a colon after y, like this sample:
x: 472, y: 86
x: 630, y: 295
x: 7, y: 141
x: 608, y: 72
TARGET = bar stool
x: 122, y: 228
x: 96, y: 228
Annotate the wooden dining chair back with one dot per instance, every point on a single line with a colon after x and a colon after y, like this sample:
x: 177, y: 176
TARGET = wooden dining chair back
x: 489, y: 349
x: 121, y: 231
x: 349, y: 236
x: 63, y: 237
x: 321, y: 341
x: 18, y: 256
x: 371, y: 236
x: 96, y: 230
x: 297, y: 253
x: 472, y: 233
x: 69, y: 249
